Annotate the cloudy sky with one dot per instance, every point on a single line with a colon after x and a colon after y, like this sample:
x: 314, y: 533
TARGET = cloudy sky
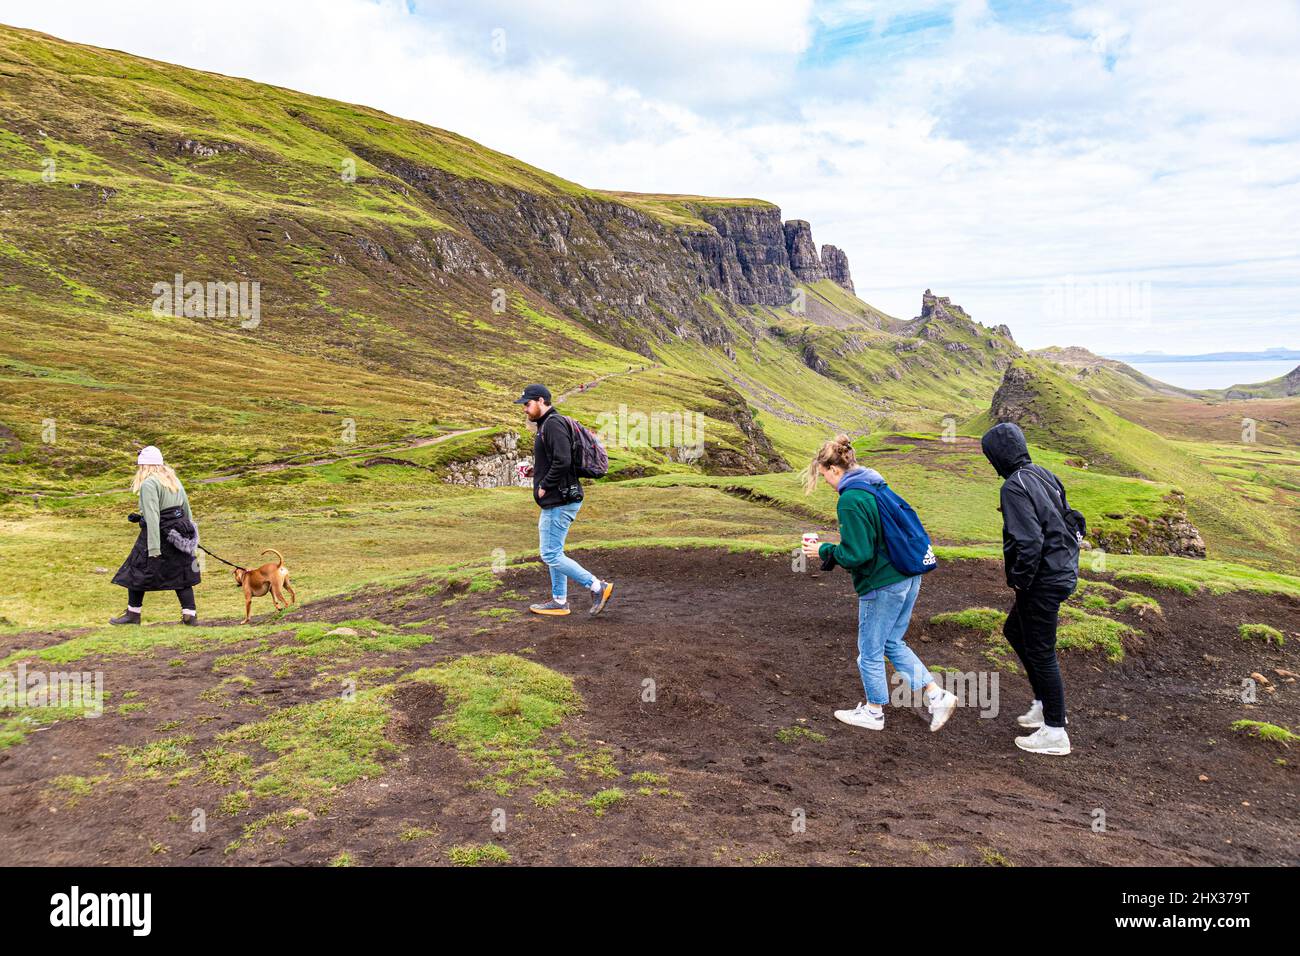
x: 1123, y: 174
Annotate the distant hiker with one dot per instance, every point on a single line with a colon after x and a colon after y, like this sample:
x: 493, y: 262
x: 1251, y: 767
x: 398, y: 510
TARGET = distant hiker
x: 163, y: 556
x: 886, y: 592
x: 1041, y: 535
x: 558, y: 492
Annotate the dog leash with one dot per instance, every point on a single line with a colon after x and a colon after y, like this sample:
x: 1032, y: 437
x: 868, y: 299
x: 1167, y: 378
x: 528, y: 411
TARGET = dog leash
x: 221, y: 559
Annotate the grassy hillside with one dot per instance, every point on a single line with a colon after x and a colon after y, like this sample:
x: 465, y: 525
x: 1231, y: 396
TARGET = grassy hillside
x: 411, y: 281
x: 1061, y: 415
x: 382, y: 315
x: 1107, y: 379
x: 1284, y: 386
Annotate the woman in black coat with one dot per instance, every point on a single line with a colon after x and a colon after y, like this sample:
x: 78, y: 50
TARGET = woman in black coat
x: 163, y: 558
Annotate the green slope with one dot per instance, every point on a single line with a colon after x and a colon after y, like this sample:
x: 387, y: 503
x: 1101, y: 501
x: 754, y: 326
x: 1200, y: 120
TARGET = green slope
x: 1061, y: 415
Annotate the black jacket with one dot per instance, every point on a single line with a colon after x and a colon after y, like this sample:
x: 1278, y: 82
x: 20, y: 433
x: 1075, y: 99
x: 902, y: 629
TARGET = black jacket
x: 1037, y: 547
x: 553, y: 466
x: 174, y: 569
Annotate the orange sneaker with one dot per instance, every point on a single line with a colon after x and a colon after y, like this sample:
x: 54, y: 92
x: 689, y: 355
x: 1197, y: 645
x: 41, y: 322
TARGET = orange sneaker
x: 600, y: 598
x: 552, y: 607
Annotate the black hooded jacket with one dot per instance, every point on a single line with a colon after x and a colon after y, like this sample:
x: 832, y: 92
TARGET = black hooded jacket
x: 1037, y: 547
x: 553, y: 465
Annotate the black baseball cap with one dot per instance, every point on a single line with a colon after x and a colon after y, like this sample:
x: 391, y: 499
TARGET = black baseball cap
x: 532, y: 392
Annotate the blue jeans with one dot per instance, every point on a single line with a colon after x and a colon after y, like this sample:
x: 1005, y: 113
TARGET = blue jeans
x: 552, y: 528
x: 883, y: 616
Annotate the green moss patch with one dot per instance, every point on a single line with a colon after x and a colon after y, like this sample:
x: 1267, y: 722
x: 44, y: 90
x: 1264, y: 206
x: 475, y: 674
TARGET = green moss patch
x: 498, y: 707
x: 320, y: 746
x: 796, y: 733
x: 476, y: 855
x: 1261, y: 632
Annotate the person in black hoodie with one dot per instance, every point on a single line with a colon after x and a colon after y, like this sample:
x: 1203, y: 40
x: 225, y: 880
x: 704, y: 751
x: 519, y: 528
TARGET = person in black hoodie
x: 1041, y: 552
x: 558, y: 492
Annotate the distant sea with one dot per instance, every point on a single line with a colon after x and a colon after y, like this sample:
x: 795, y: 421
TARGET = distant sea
x: 1215, y: 374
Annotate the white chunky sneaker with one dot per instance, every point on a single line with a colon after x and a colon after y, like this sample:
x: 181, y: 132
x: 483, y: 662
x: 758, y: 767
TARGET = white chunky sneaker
x: 861, y: 717
x: 1033, y: 718
x: 941, y: 709
x: 1053, y: 741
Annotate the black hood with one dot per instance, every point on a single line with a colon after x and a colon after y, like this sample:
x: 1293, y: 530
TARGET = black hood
x: 1004, y: 446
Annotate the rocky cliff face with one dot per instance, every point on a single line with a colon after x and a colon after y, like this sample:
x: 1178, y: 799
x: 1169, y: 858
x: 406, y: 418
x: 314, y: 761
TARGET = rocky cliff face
x: 609, y: 262
x: 807, y: 265
x: 601, y: 260
x: 749, y: 255
x: 802, y: 252
x: 836, y: 264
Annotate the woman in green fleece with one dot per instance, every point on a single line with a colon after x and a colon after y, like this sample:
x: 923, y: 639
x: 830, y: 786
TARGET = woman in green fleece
x: 885, y: 595
x: 163, y: 556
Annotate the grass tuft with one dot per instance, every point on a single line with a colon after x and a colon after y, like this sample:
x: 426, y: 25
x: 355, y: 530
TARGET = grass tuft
x: 1270, y: 732
x: 1261, y: 632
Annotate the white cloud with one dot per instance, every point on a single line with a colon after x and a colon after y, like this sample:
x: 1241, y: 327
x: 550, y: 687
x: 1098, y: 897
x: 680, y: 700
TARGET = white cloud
x: 1125, y: 141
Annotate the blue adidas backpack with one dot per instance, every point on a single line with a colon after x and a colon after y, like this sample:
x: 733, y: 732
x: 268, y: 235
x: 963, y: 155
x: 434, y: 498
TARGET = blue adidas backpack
x: 906, y: 541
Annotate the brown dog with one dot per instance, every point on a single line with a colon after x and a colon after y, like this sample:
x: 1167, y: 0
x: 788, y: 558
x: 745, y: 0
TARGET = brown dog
x: 258, y: 581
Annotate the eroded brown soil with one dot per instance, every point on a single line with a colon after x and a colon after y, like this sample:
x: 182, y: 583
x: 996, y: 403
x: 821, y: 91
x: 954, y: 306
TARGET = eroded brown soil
x: 738, y: 648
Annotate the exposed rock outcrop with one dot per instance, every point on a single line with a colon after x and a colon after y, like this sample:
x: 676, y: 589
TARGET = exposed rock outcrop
x: 802, y: 252
x: 1170, y: 533
x: 814, y: 361
x: 497, y: 470
x: 757, y: 457
x: 940, y: 307
x: 836, y: 265
x: 807, y: 265
x: 1014, y: 399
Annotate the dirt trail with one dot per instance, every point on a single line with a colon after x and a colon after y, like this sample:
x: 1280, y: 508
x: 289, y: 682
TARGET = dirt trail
x: 274, y: 466
x: 580, y: 389
x: 739, y: 648
x: 359, y: 453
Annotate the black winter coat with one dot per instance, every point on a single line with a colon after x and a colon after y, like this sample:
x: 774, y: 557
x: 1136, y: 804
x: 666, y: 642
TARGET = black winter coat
x: 1037, y: 547
x: 553, y: 465
x: 174, y: 569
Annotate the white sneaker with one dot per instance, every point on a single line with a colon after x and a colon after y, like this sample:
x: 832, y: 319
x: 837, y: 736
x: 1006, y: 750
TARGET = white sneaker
x: 861, y: 717
x: 1033, y: 719
x: 941, y: 709
x: 1053, y: 741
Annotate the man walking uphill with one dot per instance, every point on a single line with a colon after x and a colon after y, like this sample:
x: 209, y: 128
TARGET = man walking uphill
x: 1040, y: 546
x: 558, y: 492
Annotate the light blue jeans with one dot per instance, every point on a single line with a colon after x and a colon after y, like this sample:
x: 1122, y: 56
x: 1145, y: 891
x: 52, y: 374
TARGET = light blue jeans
x: 883, y: 616
x: 552, y: 529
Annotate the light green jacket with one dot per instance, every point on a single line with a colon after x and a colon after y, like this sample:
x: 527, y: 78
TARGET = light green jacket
x: 156, y: 497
